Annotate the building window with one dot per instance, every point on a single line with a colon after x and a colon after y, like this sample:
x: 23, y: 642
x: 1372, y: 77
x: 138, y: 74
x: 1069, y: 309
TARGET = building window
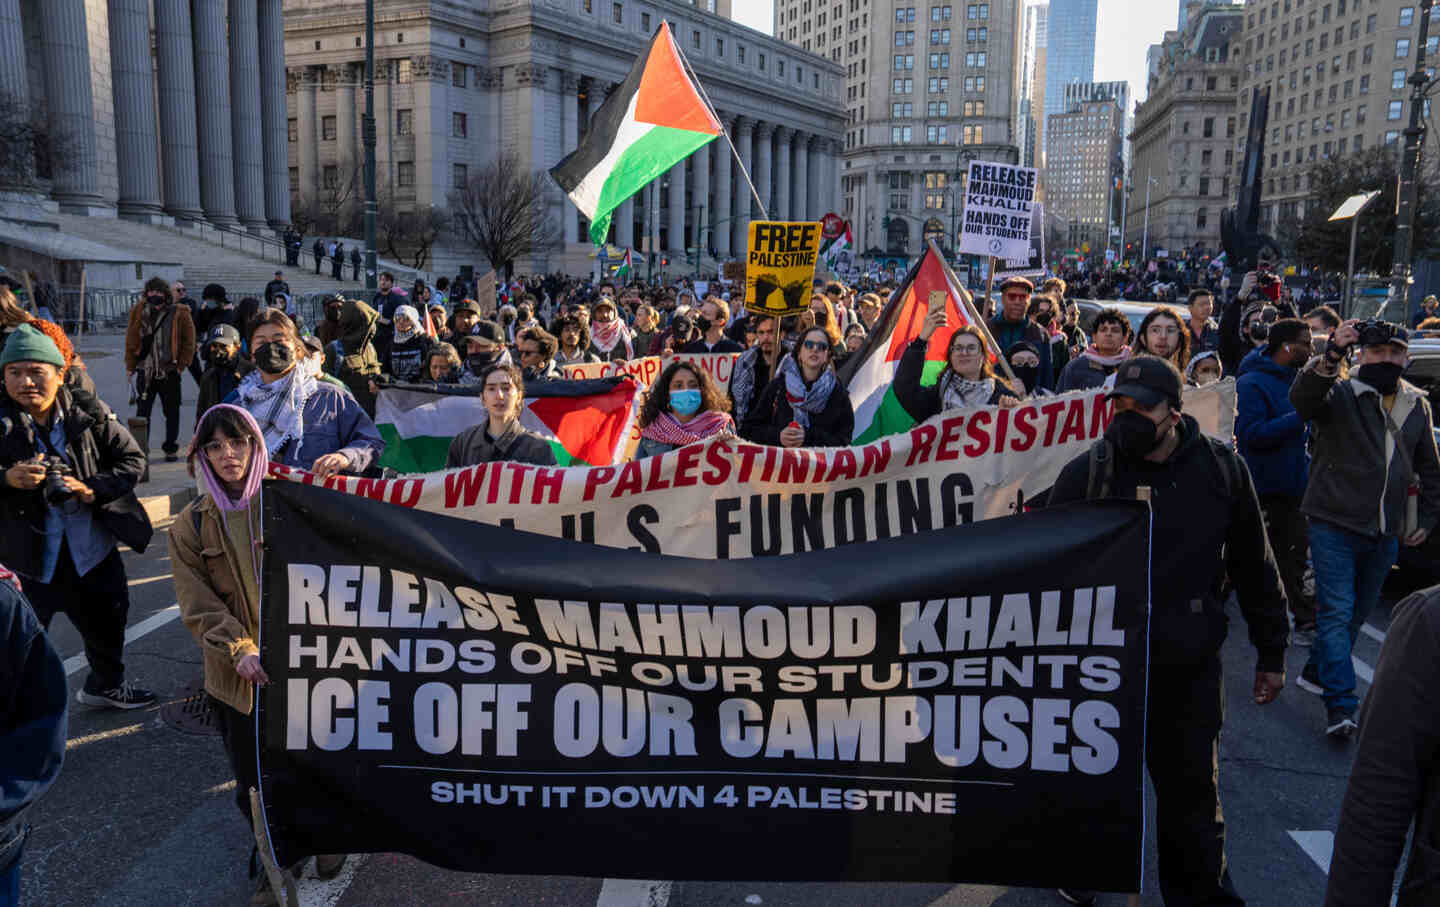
x: 294, y: 177
x: 617, y: 12
x: 1204, y: 185
x: 1202, y: 217
x: 327, y: 128
x: 457, y: 74
x: 294, y: 127
x: 404, y: 122
x: 1402, y: 48
x: 762, y: 61
x: 1407, y: 16
x: 740, y: 53
x: 459, y: 125
x: 1394, y: 111
x: 971, y: 135
x: 719, y: 47
x: 402, y: 71
x: 1207, y: 130
x: 330, y: 177
x: 461, y: 176
x: 405, y: 174
x: 645, y: 22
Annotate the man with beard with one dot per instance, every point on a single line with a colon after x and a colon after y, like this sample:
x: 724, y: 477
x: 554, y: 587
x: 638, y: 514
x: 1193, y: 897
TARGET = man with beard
x: 756, y: 366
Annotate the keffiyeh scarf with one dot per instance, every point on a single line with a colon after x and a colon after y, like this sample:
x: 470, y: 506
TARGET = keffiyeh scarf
x: 742, y: 381
x: 961, y: 393
x: 804, y: 401
x: 278, y: 406
x: 669, y: 430
x: 604, y: 335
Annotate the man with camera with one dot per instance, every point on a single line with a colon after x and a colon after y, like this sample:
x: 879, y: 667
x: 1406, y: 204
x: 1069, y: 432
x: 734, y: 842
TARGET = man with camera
x: 1370, y: 440
x: 68, y: 470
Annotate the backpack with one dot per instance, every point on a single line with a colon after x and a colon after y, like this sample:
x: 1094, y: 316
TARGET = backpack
x: 1101, y: 477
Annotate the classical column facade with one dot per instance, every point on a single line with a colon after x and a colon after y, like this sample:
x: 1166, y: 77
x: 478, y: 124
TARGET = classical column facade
x: 246, y: 122
x: 384, y: 127
x: 137, y: 148
x: 625, y: 223
x: 745, y: 144
x: 14, y: 81
x: 817, y: 177
x: 347, y: 123
x: 430, y: 80
x: 179, y: 152
x: 676, y: 238
x: 569, y: 141
x: 724, y: 194
x: 212, y: 96
x: 307, y: 138
x: 764, y: 170
x: 700, y: 196
x: 801, y: 201
x: 783, y: 210
x: 274, y: 135
x: 65, y: 48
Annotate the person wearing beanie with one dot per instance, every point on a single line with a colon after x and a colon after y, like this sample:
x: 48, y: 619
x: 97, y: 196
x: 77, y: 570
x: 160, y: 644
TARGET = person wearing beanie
x: 159, y: 344
x: 68, y: 470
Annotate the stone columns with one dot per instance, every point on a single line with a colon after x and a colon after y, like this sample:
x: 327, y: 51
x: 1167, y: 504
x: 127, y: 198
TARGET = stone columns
x: 212, y: 103
x: 245, y: 117
x: 14, y: 82
x: 384, y: 127
x: 137, y: 149
x: 64, y: 43
x: 782, y: 174
x: 801, y: 201
x: 700, y: 193
x: 307, y: 138
x: 745, y: 144
x: 569, y: 141
x: 724, y: 193
x: 494, y: 108
x: 625, y: 223
x: 764, y: 167
x: 274, y: 133
x: 175, y: 53
x: 347, y: 124
x: 430, y: 80
x: 677, y: 210
x: 817, y: 179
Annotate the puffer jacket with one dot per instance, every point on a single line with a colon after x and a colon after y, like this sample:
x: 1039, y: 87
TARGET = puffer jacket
x: 1268, y: 431
x: 212, y: 599
x: 1358, y: 479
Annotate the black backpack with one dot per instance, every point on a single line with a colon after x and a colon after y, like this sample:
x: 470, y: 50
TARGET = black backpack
x: 1102, y: 468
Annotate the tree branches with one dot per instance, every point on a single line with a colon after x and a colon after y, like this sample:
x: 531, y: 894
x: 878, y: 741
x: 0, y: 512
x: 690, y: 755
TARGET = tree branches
x: 503, y: 211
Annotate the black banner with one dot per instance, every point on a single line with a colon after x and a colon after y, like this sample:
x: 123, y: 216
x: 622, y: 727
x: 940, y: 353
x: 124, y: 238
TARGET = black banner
x: 961, y: 705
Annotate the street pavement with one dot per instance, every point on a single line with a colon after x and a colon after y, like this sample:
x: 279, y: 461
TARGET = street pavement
x: 143, y: 813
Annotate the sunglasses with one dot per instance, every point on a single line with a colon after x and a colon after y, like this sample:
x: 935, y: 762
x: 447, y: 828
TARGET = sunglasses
x: 815, y: 345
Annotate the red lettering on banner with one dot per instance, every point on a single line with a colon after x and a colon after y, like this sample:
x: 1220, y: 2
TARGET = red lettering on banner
x: 517, y: 480
x: 547, y: 482
x: 748, y: 453
x: 724, y: 367
x: 686, y: 466
x: 717, y: 456
x: 406, y: 492
x: 818, y: 456
x: 649, y: 370
x: 278, y: 470
x: 793, y: 465
x: 631, y: 480
x: 594, y: 478
x: 466, y: 485
x: 1101, y: 412
x: 1025, y: 425
x: 1052, y: 412
x: 1002, y: 425
x: 493, y: 494
x: 950, y: 435
x: 979, y: 437
x: 656, y: 483
x: 769, y: 469
x: 844, y: 466
x: 1074, y: 422
x: 921, y: 437
x: 374, y: 489
x: 877, y: 457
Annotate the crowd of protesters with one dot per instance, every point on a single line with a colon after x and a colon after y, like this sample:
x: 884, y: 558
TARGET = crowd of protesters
x: 1333, y: 467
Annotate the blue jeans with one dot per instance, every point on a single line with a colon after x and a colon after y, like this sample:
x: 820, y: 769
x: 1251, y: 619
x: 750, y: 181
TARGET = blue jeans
x: 1349, y: 570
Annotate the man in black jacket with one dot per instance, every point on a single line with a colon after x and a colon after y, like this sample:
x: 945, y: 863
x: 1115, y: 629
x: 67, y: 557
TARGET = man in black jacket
x: 66, y: 499
x: 318, y: 250
x: 1206, y: 523
x: 277, y: 285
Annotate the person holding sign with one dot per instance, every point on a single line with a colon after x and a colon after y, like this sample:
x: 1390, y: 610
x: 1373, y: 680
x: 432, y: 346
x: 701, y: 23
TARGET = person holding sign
x: 804, y: 406
x: 499, y: 437
x: 684, y: 406
x: 967, y: 381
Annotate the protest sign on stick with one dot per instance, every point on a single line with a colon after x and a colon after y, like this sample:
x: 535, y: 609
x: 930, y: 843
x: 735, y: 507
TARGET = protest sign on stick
x: 999, y: 200
x: 780, y: 266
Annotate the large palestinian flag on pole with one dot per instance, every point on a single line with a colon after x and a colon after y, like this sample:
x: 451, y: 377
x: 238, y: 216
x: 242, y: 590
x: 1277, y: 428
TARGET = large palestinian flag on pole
x: 654, y: 120
x: 870, y: 373
x: 586, y: 422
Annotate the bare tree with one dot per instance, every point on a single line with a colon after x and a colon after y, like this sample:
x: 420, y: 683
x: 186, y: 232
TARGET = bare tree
x: 503, y: 212
x: 408, y: 235
x: 336, y: 208
x: 29, y: 152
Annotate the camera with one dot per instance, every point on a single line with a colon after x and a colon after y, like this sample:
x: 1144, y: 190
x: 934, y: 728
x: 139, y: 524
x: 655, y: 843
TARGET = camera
x: 55, y: 490
x: 1260, y: 330
x: 1375, y: 332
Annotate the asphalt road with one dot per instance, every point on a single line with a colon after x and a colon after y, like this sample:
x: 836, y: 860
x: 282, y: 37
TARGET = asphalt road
x: 142, y: 814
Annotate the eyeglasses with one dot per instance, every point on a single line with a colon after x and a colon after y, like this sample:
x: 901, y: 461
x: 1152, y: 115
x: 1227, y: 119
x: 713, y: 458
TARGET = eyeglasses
x: 816, y: 345
x: 222, y: 446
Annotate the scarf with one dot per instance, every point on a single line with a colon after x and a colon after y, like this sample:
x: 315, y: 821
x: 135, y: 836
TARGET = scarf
x: 604, y: 335
x: 415, y: 329
x: 259, y: 466
x: 278, y: 406
x: 669, y: 430
x: 804, y: 401
x: 742, y: 382
x: 155, y: 321
x: 961, y: 393
x: 1100, y: 358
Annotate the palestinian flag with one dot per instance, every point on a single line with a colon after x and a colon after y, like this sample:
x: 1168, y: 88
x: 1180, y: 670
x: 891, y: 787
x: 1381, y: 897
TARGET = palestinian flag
x: 625, y: 267
x: 870, y: 373
x: 586, y: 422
x: 654, y: 120
x: 834, y: 247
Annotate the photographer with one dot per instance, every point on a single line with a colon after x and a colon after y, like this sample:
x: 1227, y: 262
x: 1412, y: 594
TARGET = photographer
x: 66, y: 499
x: 1370, y: 438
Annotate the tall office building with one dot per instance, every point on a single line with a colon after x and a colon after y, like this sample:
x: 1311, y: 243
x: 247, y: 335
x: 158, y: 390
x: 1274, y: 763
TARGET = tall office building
x: 1030, y: 120
x: 1070, y: 49
x: 1085, y: 162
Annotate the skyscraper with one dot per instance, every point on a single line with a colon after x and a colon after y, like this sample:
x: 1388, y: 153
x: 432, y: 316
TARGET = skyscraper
x: 1070, y: 49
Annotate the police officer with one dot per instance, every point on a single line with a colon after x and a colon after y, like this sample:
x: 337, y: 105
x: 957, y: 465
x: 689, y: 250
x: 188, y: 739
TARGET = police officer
x: 1206, y: 522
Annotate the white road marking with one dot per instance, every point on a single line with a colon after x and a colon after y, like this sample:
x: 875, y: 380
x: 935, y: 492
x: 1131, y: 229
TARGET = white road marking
x: 1377, y: 635
x: 633, y: 893
x: 316, y: 892
x: 154, y: 622
x: 1318, y: 845
x: 1362, y: 670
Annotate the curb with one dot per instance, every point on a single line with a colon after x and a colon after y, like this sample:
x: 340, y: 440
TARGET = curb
x: 164, y: 507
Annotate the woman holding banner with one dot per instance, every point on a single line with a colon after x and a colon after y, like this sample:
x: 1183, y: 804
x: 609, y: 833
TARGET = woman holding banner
x: 498, y: 437
x: 967, y: 381
x: 215, y: 557
x: 684, y: 406
x: 804, y: 406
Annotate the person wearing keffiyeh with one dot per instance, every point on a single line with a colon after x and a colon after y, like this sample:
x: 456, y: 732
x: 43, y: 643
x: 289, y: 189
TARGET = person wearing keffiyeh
x: 609, y: 337
x: 967, y: 381
x: 804, y: 405
x: 684, y: 406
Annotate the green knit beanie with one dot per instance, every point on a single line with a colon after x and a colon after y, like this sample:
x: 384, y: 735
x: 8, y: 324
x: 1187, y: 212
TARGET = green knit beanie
x: 29, y: 344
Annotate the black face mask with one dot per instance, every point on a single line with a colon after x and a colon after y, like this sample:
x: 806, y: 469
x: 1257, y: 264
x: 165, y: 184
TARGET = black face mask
x: 478, y: 361
x: 702, y: 323
x: 221, y: 358
x: 332, y: 314
x: 1026, y: 373
x: 1044, y: 318
x: 157, y: 300
x: 1383, y: 376
x: 274, y: 358
x: 1133, y: 434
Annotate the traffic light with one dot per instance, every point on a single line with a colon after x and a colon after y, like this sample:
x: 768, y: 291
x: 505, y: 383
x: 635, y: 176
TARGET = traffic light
x: 664, y: 262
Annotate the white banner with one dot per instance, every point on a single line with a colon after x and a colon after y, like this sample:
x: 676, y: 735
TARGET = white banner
x: 998, y: 206
x: 647, y: 368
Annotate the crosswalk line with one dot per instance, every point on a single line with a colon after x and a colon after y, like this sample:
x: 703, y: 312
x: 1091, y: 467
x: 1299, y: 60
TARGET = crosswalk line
x: 633, y: 893
x: 154, y: 622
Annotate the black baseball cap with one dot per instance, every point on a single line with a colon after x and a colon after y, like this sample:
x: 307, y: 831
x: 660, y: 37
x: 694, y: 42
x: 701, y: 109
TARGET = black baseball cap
x: 488, y: 330
x: 1149, y: 380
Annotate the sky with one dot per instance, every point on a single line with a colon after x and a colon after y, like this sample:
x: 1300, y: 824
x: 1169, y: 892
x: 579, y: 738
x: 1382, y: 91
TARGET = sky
x: 1126, y: 28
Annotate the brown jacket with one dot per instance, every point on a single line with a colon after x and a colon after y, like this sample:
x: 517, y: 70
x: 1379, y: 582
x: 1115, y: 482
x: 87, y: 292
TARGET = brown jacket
x: 212, y: 600
x: 182, y: 337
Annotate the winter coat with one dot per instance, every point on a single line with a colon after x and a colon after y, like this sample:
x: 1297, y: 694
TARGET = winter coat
x: 1007, y: 334
x: 212, y: 599
x: 1208, y: 339
x: 1358, y: 481
x: 1084, y: 373
x: 334, y: 423
x: 33, y: 698
x: 833, y: 426
x: 409, y: 361
x: 1270, y: 434
x: 1200, y: 531
x: 922, y: 401
x: 352, y: 358
x: 216, y: 384
x: 104, y: 456
x: 515, y: 445
x: 182, y: 338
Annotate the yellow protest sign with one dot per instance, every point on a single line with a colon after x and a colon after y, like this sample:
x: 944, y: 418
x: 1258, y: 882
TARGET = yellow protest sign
x: 780, y: 266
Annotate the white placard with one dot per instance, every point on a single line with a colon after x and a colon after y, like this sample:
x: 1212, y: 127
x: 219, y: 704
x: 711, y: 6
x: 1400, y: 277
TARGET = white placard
x: 999, y: 204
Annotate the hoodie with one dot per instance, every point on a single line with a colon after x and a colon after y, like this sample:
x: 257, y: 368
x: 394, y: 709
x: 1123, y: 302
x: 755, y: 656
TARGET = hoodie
x: 1270, y: 434
x: 352, y: 358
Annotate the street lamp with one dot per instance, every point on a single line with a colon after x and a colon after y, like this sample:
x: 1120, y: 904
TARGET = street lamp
x: 1351, y: 208
x: 1145, y: 234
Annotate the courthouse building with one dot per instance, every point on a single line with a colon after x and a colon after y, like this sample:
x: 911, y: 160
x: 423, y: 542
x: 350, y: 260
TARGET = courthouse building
x: 458, y: 83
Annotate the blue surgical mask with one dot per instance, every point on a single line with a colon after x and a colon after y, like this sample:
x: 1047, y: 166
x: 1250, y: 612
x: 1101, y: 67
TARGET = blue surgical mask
x: 685, y: 403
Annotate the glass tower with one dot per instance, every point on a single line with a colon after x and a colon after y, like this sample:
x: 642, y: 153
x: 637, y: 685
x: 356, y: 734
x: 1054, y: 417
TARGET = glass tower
x: 1070, y: 49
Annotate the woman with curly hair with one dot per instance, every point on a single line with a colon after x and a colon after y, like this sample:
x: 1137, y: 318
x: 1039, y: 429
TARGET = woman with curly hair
x: 684, y: 406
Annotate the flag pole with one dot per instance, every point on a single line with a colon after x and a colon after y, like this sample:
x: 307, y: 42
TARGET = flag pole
x: 764, y: 214
x: 974, y: 314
